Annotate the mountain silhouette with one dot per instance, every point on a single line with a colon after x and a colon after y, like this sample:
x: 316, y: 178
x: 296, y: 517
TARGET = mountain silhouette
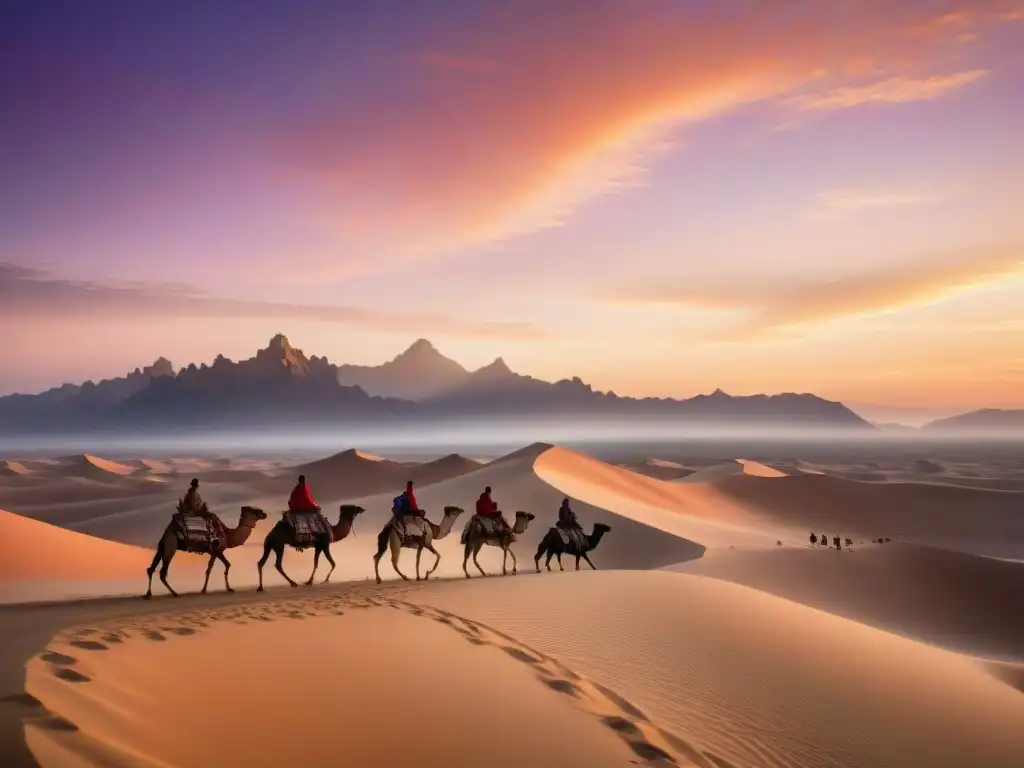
x: 280, y: 386
x: 985, y: 420
x: 417, y: 373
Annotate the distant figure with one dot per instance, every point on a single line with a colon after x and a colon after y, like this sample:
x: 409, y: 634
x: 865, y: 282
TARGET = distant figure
x: 824, y: 539
x: 837, y: 543
x: 193, y: 503
x: 849, y: 543
x: 301, y: 500
x: 814, y: 539
x: 488, y: 508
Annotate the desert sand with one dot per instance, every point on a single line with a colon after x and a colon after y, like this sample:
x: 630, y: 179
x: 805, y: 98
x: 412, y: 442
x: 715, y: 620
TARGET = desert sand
x: 713, y: 635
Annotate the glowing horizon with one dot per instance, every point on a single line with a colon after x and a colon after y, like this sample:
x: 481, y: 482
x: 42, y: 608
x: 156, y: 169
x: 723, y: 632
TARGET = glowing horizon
x: 665, y: 201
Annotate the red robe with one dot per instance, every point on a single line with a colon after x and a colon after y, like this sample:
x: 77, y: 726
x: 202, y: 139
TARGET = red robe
x: 414, y: 507
x: 301, y: 500
x: 486, y: 506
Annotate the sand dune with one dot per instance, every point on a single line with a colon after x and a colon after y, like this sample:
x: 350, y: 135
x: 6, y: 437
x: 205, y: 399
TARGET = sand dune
x: 952, y: 599
x: 748, y: 679
x: 41, y: 561
x: 692, y: 511
x: 660, y: 469
x: 593, y: 669
x: 343, y: 697
x: 93, y: 467
x: 736, y: 467
x: 15, y: 469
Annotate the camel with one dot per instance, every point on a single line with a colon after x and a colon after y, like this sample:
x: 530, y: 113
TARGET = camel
x: 169, y: 544
x: 554, y: 546
x: 388, y: 537
x: 474, y: 539
x: 283, y: 534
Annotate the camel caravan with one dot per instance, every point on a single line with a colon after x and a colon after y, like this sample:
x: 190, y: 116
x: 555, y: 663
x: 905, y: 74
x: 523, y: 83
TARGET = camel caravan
x: 194, y: 528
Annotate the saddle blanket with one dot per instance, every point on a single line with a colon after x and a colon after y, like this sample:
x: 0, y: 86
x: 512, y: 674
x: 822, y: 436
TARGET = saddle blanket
x: 198, y: 533
x: 490, y: 526
x: 308, y: 527
x: 410, y: 526
x: 573, y: 536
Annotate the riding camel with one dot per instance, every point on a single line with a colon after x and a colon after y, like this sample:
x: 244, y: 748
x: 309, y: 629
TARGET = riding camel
x: 233, y: 537
x: 388, y: 537
x: 283, y: 534
x: 554, y: 546
x: 475, y: 537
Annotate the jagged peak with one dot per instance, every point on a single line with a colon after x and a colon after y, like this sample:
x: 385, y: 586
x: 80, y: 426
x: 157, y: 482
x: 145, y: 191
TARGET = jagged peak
x: 497, y: 366
x: 279, y: 344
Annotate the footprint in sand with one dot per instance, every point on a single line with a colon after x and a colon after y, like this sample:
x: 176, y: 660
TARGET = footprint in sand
x: 653, y: 746
x: 184, y: 631
x: 152, y: 635
x: 112, y: 639
x: 70, y: 675
x: 88, y: 645
x: 52, y: 657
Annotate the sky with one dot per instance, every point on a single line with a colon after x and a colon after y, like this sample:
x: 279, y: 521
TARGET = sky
x: 662, y: 197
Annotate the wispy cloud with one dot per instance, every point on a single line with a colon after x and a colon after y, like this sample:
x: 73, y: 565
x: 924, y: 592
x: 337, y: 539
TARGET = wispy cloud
x: 28, y: 293
x: 576, y: 98
x: 892, y: 90
x: 845, y: 201
x: 765, y: 308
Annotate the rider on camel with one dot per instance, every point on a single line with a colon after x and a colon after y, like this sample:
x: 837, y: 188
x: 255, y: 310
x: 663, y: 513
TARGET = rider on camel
x: 568, y: 521
x: 193, y: 503
x: 488, y: 507
x: 407, y: 512
x: 301, y: 500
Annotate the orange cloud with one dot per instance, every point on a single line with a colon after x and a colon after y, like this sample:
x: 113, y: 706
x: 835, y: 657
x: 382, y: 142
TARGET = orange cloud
x: 893, y: 90
x: 575, y: 99
x: 766, y: 308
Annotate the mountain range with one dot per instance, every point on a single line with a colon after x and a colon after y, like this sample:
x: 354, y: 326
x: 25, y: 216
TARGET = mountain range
x: 281, y: 386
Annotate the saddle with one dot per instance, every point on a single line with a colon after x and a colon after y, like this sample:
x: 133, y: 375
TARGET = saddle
x: 202, y: 534
x: 410, y: 526
x: 574, y: 536
x: 491, y: 527
x: 309, y: 525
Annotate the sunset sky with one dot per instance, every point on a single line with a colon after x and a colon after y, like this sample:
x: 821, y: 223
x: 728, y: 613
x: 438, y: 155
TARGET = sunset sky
x: 659, y: 196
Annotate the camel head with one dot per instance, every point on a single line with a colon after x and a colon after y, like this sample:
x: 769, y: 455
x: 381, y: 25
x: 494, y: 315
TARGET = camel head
x: 251, y: 516
x: 601, y: 528
x: 522, y: 521
x: 351, y: 511
x: 453, y: 512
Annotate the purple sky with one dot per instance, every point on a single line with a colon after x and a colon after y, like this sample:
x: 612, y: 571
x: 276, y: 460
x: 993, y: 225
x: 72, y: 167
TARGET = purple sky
x: 660, y: 196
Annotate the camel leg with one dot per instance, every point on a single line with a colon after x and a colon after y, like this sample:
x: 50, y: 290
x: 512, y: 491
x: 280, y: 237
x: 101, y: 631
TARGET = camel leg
x: 316, y: 562
x: 539, y: 555
x: 547, y: 561
x: 168, y: 556
x: 577, y: 562
x: 278, y: 560
x: 152, y: 569
x: 504, y: 560
x: 515, y: 563
x: 267, y: 547
x: 476, y: 551
x: 209, y: 568
x: 227, y: 567
x: 594, y: 567
x: 465, y: 559
x: 396, y: 551
x: 558, y: 555
x: 437, y: 561
x: 419, y: 553
x: 327, y: 554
